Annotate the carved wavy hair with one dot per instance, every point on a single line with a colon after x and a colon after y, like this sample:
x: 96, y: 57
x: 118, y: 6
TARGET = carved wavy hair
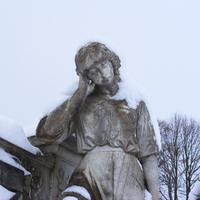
x: 93, y: 53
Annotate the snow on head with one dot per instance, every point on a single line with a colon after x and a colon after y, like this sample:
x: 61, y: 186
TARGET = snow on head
x: 14, y: 133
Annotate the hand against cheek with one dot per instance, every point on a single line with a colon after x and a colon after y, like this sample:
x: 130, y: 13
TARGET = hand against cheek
x: 86, y: 84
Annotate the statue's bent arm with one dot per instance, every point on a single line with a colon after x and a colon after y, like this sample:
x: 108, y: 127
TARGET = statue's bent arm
x: 150, y: 168
x: 58, y: 125
x: 149, y: 150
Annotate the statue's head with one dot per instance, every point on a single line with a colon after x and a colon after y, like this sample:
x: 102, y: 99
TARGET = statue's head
x: 93, y: 53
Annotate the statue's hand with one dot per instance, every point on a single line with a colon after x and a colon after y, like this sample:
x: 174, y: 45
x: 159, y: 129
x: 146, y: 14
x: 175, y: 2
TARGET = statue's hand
x: 86, y: 84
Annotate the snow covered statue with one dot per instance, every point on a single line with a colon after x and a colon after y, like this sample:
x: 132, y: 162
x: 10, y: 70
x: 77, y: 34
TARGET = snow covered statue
x: 116, y: 137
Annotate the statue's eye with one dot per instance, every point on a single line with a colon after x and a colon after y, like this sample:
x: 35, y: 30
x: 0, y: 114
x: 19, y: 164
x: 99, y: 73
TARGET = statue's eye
x: 92, y: 72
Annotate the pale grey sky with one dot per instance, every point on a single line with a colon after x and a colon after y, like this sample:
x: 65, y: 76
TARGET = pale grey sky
x: 158, y: 42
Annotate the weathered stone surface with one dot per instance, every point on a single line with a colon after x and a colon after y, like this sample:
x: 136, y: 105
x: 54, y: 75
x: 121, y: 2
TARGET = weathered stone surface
x: 111, y: 140
x: 112, y: 136
x: 11, y: 177
x: 49, y: 173
x: 66, y: 160
x: 38, y: 184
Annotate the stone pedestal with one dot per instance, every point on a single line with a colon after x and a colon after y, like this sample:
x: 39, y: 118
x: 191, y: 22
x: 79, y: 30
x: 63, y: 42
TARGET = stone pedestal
x: 49, y: 173
x: 66, y: 159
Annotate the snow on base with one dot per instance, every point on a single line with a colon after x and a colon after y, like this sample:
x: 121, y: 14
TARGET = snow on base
x: 8, y: 158
x: 14, y: 133
x: 80, y: 190
x: 195, y: 191
x: 5, y: 194
x: 84, y: 193
x: 70, y: 198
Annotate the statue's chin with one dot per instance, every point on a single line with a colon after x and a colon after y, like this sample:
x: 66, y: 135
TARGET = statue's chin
x: 105, y: 81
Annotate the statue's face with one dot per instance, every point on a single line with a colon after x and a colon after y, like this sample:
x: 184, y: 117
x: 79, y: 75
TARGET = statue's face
x: 101, y: 73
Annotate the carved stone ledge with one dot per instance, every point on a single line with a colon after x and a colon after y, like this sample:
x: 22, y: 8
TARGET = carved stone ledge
x: 8, y: 173
x: 21, y: 154
x: 63, y: 180
x: 50, y: 172
x: 38, y: 184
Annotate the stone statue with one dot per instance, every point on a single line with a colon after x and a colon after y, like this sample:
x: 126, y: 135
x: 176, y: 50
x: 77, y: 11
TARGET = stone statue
x: 118, y: 142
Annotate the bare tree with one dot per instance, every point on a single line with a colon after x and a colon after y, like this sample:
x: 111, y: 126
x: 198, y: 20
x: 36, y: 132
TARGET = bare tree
x: 169, y: 157
x: 191, y: 152
x: 179, y: 157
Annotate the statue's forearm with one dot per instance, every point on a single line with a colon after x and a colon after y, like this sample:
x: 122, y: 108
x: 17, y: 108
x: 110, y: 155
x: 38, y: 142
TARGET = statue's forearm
x: 58, y: 121
x: 150, y: 168
x: 57, y: 125
x: 67, y: 109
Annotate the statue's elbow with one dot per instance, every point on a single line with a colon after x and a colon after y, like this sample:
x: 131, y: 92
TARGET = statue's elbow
x: 41, y: 133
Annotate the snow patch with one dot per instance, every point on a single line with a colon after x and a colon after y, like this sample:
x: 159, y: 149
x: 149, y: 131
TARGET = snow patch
x: 30, y: 130
x: 195, y: 190
x: 70, y: 198
x: 8, y: 158
x: 14, y: 133
x: 52, y: 104
x: 7, y: 195
x: 60, y: 98
x: 147, y: 196
x: 80, y: 190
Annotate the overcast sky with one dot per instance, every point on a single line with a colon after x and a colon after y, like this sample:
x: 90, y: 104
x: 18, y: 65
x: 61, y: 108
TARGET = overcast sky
x: 158, y: 42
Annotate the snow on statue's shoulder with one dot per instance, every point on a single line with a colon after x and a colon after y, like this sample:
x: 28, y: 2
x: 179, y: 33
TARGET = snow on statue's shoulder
x: 57, y: 100
x: 134, y: 93
x: 52, y: 104
x: 130, y: 91
x: 14, y: 133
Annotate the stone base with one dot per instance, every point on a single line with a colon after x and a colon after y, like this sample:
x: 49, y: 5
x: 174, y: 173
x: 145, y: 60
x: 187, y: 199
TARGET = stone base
x: 49, y: 173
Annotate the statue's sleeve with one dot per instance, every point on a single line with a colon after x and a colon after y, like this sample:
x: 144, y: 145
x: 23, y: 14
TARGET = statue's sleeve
x: 57, y: 126
x: 145, y: 132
